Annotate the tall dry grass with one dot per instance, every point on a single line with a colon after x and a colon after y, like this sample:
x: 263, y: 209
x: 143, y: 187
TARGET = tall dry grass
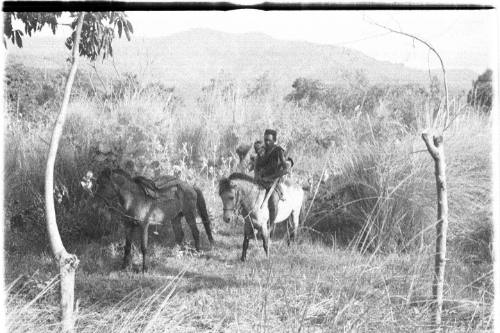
x: 371, y: 188
x: 133, y: 313
x: 379, y: 193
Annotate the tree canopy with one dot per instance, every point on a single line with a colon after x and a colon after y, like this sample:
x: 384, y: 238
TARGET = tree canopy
x: 98, y: 30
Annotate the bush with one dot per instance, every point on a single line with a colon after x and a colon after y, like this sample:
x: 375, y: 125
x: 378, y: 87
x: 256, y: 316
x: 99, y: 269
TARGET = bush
x: 401, y: 103
x: 261, y: 87
x: 481, y: 94
x: 375, y: 198
x: 29, y: 93
x: 127, y: 85
x: 381, y: 195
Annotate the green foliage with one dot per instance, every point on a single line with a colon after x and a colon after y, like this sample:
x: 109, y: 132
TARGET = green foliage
x: 29, y: 93
x: 33, y: 21
x: 98, y: 30
x: 33, y: 94
x: 481, y: 94
x: 402, y: 103
x: 307, y: 92
x: 127, y: 85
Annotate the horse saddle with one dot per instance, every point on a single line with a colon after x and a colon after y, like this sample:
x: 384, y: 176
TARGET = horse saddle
x: 163, y: 187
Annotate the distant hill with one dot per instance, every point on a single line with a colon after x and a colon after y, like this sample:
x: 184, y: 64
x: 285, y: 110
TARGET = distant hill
x: 188, y: 60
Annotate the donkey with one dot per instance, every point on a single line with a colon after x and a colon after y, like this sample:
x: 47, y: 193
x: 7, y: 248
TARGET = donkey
x: 146, y: 205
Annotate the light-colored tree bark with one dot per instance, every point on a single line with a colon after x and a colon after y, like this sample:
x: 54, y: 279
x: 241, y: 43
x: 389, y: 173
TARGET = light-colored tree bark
x: 434, y: 145
x: 67, y: 262
x: 434, y: 141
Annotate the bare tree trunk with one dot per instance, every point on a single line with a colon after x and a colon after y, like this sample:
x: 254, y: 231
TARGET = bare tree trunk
x: 434, y: 145
x: 67, y: 262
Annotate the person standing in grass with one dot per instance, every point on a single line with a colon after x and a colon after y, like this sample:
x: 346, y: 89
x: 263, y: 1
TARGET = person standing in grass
x: 270, y: 168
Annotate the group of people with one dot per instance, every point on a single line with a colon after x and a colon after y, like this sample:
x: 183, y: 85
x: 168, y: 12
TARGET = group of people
x: 269, y: 166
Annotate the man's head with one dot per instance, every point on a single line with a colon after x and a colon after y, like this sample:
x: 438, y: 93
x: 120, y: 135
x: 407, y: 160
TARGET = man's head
x: 269, y: 138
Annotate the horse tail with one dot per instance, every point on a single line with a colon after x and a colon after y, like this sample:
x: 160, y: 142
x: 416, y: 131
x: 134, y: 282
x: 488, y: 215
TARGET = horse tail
x: 202, y: 210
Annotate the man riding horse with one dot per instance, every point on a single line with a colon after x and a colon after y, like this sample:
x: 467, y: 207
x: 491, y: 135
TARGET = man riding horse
x: 269, y: 169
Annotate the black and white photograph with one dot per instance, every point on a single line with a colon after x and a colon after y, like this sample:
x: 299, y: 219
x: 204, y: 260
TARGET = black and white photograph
x: 272, y: 167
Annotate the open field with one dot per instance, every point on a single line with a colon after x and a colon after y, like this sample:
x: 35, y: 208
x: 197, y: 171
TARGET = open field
x: 307, y: 287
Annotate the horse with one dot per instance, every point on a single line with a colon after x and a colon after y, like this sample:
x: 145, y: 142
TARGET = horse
x: 144, y: 205
x: 241, y: 194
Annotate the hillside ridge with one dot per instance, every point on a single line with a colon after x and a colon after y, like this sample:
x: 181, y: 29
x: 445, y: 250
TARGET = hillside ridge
x: 193, y: 57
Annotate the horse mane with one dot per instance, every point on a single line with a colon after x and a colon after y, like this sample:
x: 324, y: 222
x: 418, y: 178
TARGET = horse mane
x: 123, y: 173
x: 106, y: 172
x: 225, y: 183
x: 242, y: 176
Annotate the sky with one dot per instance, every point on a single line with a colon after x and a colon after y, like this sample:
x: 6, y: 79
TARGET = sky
x: 466, y: 39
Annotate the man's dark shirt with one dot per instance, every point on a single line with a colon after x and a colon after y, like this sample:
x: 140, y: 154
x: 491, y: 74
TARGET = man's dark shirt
x: 272, y: 165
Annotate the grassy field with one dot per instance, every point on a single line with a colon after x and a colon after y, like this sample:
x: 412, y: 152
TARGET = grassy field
x: 306, y: 287
x: 363, y: 262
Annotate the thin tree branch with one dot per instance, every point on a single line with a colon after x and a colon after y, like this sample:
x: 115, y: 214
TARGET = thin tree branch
x: 430, y: 145
x: 99, y: 77
x: 440, y: 60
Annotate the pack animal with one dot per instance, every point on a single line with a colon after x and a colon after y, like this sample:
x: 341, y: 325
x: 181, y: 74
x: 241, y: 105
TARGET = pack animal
x: 143, y: 203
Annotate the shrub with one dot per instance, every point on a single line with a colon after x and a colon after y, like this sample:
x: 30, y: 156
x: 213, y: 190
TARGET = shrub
x: 30, y: 93
x: 400, y: 103
x: 375, y: 198
x: 481, y: 94
x: 261, y: 87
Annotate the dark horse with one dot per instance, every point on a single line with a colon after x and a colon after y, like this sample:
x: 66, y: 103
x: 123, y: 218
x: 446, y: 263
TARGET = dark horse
x: 144, y: 204
x: 241, y: 194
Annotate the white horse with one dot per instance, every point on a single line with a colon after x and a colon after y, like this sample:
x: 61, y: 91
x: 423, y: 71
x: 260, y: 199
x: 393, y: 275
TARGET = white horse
x: 241, y: 194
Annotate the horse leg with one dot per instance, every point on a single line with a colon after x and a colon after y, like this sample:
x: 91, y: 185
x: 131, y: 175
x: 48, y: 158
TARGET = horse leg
x: 265, y: 240
x: 273, y: 209
x: 294, y: 219
x: 292, y: 226
x: 127, y: 259
x: 245, y: 248
x: 144, y: 246
x: 248, y: 233
x: 191, y: 221
x: 177, y: 227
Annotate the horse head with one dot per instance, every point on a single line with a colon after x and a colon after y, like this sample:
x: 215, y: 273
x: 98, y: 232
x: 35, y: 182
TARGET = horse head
x: 228, y: 192
x: 109, y: 182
